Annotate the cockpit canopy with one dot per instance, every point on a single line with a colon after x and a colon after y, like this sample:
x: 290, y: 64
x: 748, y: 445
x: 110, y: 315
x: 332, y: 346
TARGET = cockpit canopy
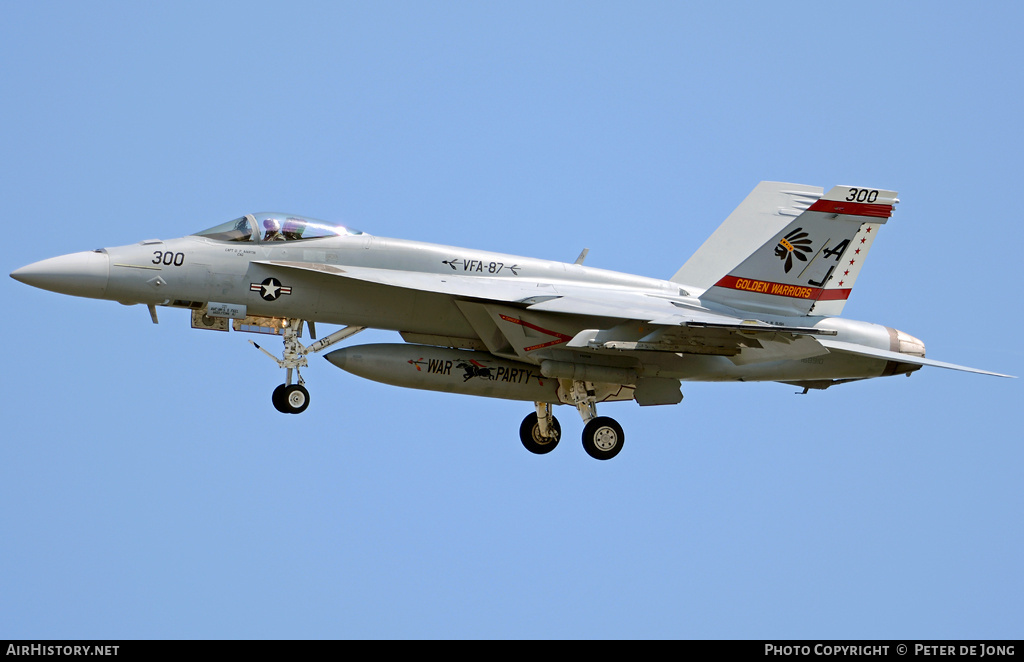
x: 275, y: 227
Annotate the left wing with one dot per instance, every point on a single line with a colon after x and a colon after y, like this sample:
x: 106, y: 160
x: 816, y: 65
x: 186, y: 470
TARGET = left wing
x: 547, y: 296
x: 666, y: 323
x: 671, y: 323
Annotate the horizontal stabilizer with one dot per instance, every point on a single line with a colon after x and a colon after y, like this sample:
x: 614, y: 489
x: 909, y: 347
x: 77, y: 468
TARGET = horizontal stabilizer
x: 861, y: 350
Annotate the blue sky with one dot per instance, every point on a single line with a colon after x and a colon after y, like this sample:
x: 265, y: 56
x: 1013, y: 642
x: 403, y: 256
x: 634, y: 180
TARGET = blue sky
x: 148, y: 488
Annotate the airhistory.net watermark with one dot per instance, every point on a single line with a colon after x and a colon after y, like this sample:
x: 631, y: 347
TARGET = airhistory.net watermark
x: 68, y: 651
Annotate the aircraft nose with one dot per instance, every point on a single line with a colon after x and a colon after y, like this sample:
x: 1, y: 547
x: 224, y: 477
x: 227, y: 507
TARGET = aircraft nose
x: 78, y: 274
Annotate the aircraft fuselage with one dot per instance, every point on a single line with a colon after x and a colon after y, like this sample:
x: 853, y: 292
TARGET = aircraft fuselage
x: 193, y: 271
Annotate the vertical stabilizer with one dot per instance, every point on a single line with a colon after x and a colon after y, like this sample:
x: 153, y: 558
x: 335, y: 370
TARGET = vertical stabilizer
x: 768, y: 209
x: 810, y: 265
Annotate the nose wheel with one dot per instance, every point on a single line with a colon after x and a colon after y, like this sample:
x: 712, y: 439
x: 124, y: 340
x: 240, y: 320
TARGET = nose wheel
x: 290, y: 399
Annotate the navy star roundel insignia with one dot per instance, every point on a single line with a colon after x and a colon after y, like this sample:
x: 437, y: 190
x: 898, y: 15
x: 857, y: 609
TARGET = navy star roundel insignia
x: 270, y: 289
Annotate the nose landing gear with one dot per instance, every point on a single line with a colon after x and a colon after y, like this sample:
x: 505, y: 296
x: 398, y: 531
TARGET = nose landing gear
x: 289, y: 398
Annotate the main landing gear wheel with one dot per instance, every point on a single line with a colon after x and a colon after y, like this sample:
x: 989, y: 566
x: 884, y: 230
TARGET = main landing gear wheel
x: 529, y: 434
x: 291, y: 399
x: 603, y: 438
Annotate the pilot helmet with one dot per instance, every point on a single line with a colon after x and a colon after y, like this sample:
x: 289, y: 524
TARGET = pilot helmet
x: 271, y: 224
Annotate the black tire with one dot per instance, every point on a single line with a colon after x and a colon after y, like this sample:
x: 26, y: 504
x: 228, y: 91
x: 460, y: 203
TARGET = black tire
x: 529, y: 434
x: 603, y: 438
x: 296, y: 399
x: 278, y: 399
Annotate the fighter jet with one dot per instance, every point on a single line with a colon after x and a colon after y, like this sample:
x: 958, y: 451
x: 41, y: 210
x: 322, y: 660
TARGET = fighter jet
x: 759, y: 301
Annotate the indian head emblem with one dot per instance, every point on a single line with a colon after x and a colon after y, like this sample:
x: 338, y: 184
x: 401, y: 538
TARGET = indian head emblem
x: 796, y: 243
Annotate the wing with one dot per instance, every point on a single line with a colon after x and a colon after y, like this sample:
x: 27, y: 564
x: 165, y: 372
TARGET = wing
x: 513, y: 315
x: 516, y: 317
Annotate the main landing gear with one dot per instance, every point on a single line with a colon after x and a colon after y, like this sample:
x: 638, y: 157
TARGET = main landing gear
x: 289, y: 398
x: 540, y: 431
x: 602, y: 436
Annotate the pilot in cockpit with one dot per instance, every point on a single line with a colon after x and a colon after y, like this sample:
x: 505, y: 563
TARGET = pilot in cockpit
x: 273, y: 230
x: 293, y: 229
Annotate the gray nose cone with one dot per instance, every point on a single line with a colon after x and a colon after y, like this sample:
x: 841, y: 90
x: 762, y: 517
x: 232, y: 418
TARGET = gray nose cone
x: 78, y: 274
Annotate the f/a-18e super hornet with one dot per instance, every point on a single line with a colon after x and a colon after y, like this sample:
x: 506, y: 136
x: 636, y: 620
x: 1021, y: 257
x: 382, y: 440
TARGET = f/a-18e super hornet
x: 757, y: 302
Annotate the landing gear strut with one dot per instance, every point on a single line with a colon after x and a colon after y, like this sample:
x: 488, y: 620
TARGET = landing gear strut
x: 289, y: 398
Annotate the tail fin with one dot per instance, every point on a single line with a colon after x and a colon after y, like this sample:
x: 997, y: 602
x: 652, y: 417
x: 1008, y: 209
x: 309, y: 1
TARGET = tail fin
x: 810, y: 265
x: 768, y: 209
